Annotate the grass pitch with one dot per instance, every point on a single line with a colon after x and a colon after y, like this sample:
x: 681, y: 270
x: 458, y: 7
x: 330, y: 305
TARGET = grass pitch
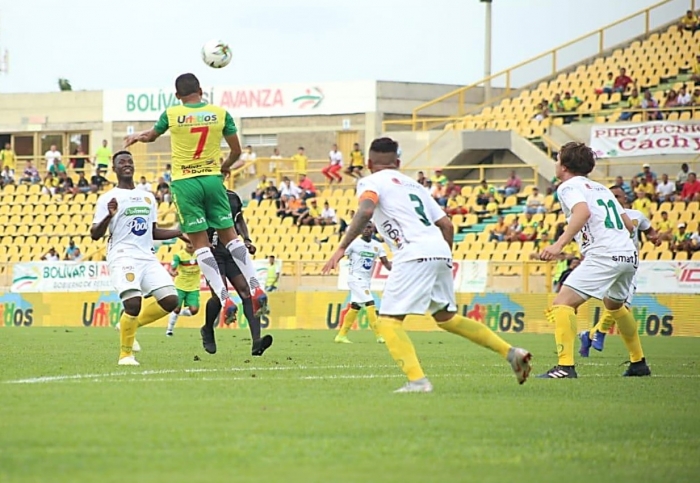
x: 314, y: 411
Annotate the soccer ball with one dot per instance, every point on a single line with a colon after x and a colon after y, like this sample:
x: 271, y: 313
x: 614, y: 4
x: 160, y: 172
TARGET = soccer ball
x: 216, y: 54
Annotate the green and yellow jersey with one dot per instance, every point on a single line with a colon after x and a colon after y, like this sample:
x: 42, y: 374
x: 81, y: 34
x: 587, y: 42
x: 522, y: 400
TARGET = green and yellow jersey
x: 8, y: 158
x: 188, y: 273
x: 196, y: 132
x: 357, y: 159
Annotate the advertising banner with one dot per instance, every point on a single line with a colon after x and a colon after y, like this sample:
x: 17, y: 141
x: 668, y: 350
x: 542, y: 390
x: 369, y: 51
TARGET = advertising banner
x: 645, y: 139
x: 668, y: 277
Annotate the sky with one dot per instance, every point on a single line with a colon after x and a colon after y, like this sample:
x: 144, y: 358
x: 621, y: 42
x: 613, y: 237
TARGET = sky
x: 102, y: 44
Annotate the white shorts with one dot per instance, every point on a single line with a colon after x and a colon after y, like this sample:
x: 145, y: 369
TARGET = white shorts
x: 142, y: 276
x: 359, y: 290
x: 605, y: 276
x: 633, y: 290
x: 418, y: 286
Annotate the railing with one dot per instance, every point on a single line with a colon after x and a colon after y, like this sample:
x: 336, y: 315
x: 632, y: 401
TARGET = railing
x: 546, y: 64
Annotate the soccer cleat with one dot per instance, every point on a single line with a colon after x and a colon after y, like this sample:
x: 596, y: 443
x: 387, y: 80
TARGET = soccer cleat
x: 380, y: 340
x: 520, y: 362
x: 128, y: 361
x: 421, y: 385
x: 169, y: 333
x: 585, y: 339
x: 230, y: 312
x: 260, y: 306
x: 342, y: 339
x: 261, y: 345
x: 638, y: 369
x: 599, y: 341
x: 208, y: 339
x: 136, y: 347
x: 560, y: 372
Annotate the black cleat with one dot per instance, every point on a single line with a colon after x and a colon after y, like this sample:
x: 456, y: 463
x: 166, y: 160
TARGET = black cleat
x: 208, y: 340
x: 637, y: 369
x: 560, y: 372
x: 261, y: 345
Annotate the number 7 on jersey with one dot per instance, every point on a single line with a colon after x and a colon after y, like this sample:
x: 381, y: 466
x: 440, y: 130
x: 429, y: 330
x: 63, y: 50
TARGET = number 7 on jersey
x: 203, y: 132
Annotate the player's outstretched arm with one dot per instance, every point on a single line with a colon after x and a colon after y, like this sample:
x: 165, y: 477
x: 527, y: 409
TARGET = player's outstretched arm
x: 628, y: 223
x: 362, y: 216
x: 165, y: 233
x: 141, y: 137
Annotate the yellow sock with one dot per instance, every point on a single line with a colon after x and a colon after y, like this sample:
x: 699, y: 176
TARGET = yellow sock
x: 564, y: 319
x: 628, y: 331
x: 477, y: 333
x: 151, y: 312
x: 603, y: 325
x: 127, y: 334
x: 348, y: 320
x: 372, y: 318
x: 400, y: 347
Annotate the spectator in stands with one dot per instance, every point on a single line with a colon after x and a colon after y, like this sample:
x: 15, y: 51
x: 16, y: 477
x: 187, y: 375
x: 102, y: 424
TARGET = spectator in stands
x: 247, y: 156
x: 689, y: 22
x: 65, y: 184
x: 300, y: 160
x: 308, y: 190
x: 499, y: 230
x: 528, y: 229
x: 691, y: 188
x: 288, y: 206
x: 357, y: 162
x: 144, y: 185
x: 271, y: 192
x: 335, y: 164
x: 643, y: 204
x: 52, y: 154
x: 570, y: 104
x: 535, y: 202
x: 483, y: 192
x: 682, y: 240
x: 684, y: 97
x: 454, y: 206
x: 646, y: 187
x: 30, y: 174
x: 273, y: 275
x: 556, y: 104
x: 8, y: 159
x: 51, y: 256
x: 664, y: 227
x: 696, y: 97
x: 83, y: 185
x: 97, y: 181
x: 305, y: 215
x: 542, y: 111
x: 77, y: 255
x: 50, y: 184
x: 77, y: 162
x: 428, y: 185
x: 439, y: 192
x: 168, y: 174
x: 608, y: 85
x: 163, y: 191
x: 492, y: 207
x: 70, y: 250
x: 651, y: 107
x: 671, y: 101
x: 622, y: 81
x: 274, y: 157
x: 288, y: 188
x: 513, y: 185
x: 421, y: 178
x: 682, y: 176
x: 634, y: 101
x: 103, y: 156
x: 665, y: 189
x: 439, y: 178
x: 6, y: 177
x: 260, y: 189
x: 328, y: 215
x: 57, y: 167
x: 629, y: 192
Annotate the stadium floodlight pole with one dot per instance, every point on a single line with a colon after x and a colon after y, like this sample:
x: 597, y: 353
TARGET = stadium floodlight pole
x: 487, y: 51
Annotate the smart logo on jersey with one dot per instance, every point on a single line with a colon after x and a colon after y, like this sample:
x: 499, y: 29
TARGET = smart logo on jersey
x: 197, y: 118
x: 15, y: 311
x: 103, y: 313
x: 497, y: 312
x: 138, y: 226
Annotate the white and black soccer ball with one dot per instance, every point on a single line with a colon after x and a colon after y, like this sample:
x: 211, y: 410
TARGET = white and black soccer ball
x: 216, y: 54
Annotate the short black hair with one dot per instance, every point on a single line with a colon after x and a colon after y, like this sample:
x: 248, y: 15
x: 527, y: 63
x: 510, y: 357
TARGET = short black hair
x: 119, y: 153
x: 384, y: 145
x: 615, y: 186
x: 186, y: 85
x: 577, y: 158
x: 664, y: 213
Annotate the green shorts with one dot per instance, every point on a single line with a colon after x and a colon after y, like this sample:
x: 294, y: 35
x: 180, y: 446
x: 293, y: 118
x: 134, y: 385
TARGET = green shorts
x: 201, y: 203
x: 188, y: 299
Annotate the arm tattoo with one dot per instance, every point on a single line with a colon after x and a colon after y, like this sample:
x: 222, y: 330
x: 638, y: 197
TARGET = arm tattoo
x: 362, y: 216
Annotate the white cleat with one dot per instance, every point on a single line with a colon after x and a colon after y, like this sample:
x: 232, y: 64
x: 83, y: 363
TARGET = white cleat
x: 421, y: 385
x: 136, y: 347
x: 128, y: 361
x: 520, y: 362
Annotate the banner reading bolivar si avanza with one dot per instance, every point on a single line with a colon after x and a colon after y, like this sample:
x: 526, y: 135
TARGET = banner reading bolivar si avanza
x: 657, y: 315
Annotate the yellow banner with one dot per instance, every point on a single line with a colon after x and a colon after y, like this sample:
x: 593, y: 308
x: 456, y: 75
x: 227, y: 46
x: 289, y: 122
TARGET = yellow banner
x: 663, y: 315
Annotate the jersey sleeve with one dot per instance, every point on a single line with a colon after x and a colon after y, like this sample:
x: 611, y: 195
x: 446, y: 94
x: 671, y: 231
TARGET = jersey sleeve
x: 229, y: 125
x: 433, y: 210
x: 644, y: 224
x: 570, y: 196
x: 154, y: 211
x: 381, y: 252
x: 101, y: 210
x: 162, y: 124
x: 349, y: 249
x: 176, y: 261
x: 368, y: 189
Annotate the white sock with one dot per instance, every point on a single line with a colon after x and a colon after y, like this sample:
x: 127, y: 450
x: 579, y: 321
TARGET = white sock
x: 172, y: 320
x: 186, y: 312
x: 210, y: 270
x: 242, y: 258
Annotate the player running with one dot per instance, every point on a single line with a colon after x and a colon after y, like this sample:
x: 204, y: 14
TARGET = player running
x: 196, y: 132
x: 187, y: 282
x: 420, y: 235
x: 596, y: 336
x: 362, y: 253
x: 130, y: 215
x: 602, y: 229
x: 231, y: 271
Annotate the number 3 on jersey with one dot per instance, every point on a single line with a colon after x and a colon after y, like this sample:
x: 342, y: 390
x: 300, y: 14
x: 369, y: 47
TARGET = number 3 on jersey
x: 420, y: 209
x: 203, y: 132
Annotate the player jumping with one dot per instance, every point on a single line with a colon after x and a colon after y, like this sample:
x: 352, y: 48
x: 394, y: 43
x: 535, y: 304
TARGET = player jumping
x: 362, y: 253
x: 196, y: 132
x: 602, y: 229
x: 420, y: 235
x: 187, y: 280
x: 230, y: 270
x: 130, y: 215
x: 596, y: 336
